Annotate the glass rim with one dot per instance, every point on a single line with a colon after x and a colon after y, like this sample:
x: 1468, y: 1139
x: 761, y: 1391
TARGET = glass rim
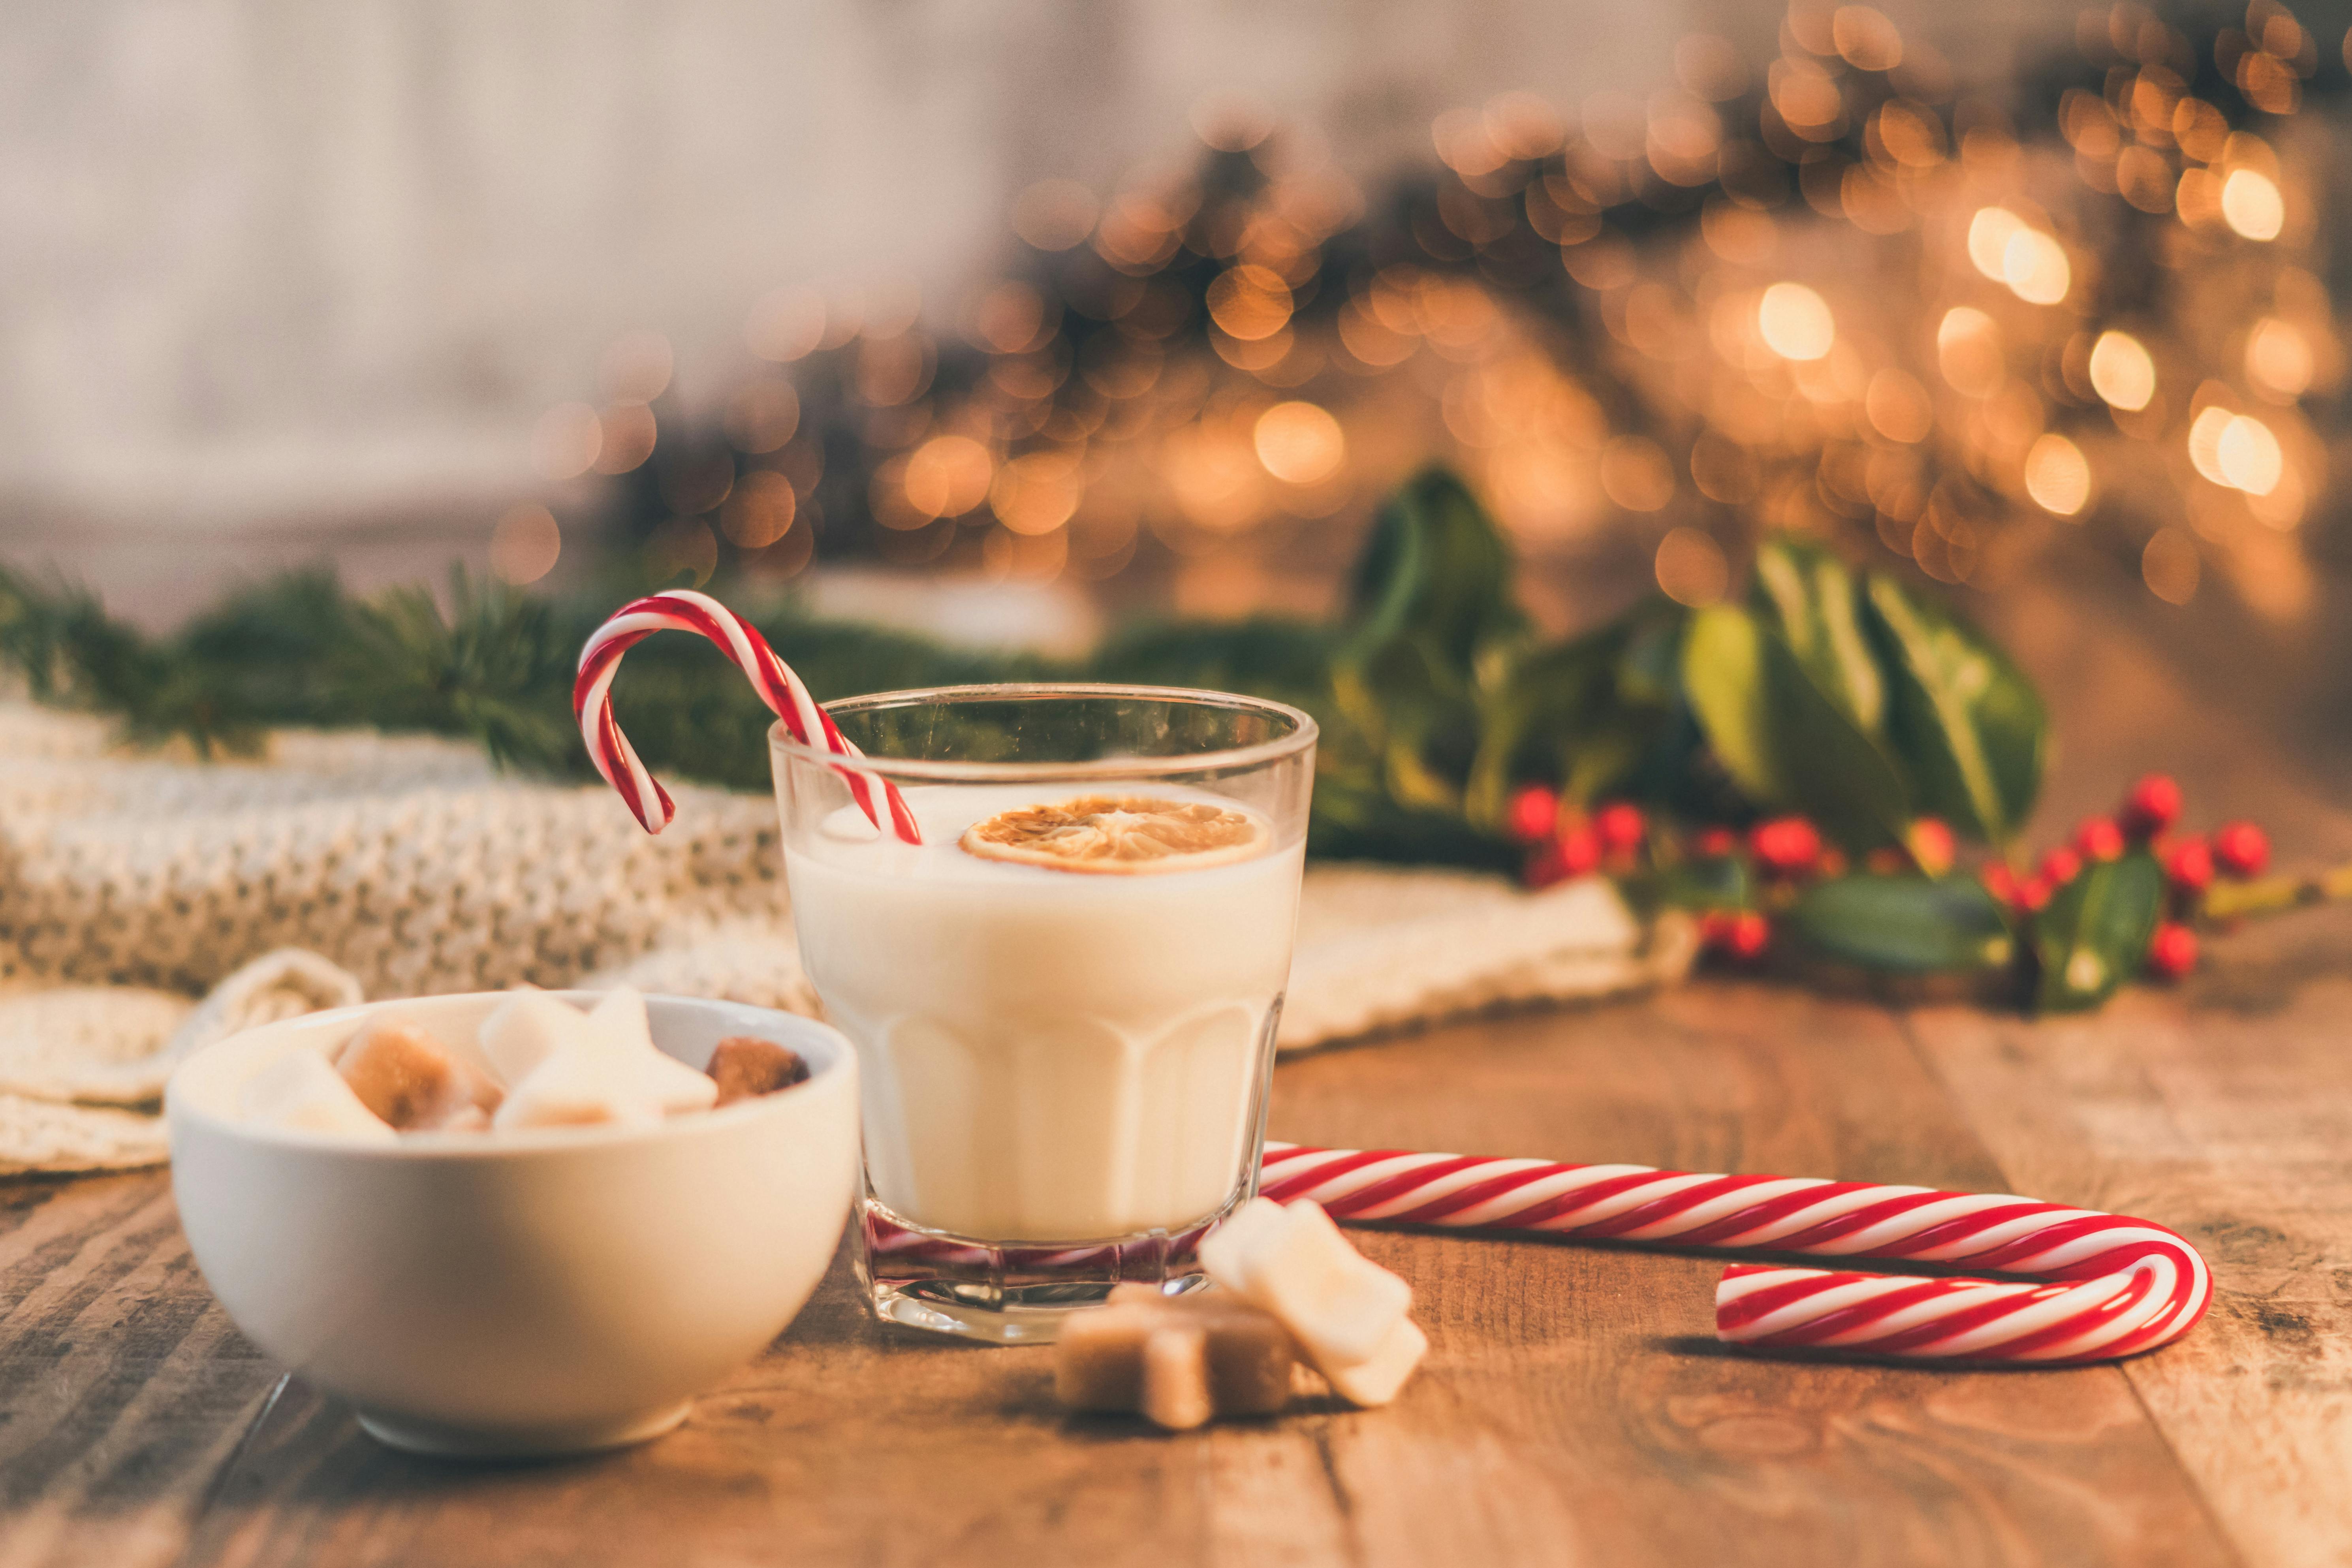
x: 1304, y: 733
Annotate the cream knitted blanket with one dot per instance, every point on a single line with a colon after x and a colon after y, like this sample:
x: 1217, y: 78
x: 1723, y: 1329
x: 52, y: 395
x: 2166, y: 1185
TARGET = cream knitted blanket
x: 133, y: 884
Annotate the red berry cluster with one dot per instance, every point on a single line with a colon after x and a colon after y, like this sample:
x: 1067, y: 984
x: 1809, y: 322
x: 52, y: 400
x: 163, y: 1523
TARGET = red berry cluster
x: 2190, y: 862
x: 1564, y: 843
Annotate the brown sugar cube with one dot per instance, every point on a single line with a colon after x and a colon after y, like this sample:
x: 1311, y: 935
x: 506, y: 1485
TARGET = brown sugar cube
x: 1178, y: 1361
x: 744, y: 1066
x: 413, y: 1082
x: 1176, y: 1390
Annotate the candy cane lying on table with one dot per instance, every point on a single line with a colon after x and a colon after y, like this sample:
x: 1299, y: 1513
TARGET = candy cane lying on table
x: 2132, y: 1286
x: 683, y: 610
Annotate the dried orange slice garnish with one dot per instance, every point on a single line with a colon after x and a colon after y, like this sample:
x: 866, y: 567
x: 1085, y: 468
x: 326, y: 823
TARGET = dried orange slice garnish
x: 1118, y: 834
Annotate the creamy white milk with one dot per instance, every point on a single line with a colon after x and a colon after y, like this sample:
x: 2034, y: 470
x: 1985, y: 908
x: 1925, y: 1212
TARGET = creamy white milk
x: 1046, y: 1054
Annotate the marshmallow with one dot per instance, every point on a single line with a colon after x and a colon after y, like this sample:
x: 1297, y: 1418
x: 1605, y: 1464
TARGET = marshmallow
x: 527, y: 1028
x: 618, y: 1024
x: 530, y: 1028
x: 1340, y: 1306
x: 578, y: 1086
x: 301, y: 1092
x: 1177, y: 1361
x: 1376, y: 1381
x: 413, y: 1082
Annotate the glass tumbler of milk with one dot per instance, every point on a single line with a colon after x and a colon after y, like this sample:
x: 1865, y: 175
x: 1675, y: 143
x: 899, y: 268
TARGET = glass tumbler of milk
x: 1064, y: 998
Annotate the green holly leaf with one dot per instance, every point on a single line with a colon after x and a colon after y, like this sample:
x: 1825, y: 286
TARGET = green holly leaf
x: 1808, y: 595
x: 1785, y: 740
x: 1966, y: 722
x: 1437, y: 569
x: 2093, y: 934
x: 1904, y: 925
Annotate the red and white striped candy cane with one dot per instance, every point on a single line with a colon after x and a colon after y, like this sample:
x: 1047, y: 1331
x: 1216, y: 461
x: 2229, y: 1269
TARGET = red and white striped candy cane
x: 680, y: 609
x: 2118, y: 1286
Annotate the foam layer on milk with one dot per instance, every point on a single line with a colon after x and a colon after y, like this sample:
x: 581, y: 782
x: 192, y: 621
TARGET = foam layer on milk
x: 1047, y: 1055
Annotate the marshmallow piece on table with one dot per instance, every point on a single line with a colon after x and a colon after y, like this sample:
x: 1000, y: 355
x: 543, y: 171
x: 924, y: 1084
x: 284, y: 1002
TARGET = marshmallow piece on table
x: 1377, y: 1380
x: 1343, y: 1308
x: 299, y: 1090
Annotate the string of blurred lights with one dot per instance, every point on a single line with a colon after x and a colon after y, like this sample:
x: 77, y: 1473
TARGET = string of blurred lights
x: 1838, y: 294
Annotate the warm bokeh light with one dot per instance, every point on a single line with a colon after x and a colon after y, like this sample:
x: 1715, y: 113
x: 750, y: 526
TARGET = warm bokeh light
x: 1989, y: 232
x: 1036, y: 493
x: 1968, y: 352
x: 636, y: 367
x: 1299, y: 442
x: 949, y: 475
x: 1691, y: 568
x: 1795, y: 322
x: 2057, y: 475
x: 2122, y: 372
x: 1866, y: 39
x: 759, y: 510
x: 786, y: 325
x: 2035, y: 266
x: 524, y: 544
x: 2248, y: 456
x: 1898, y: 408
x: 762, y: 415
x: 2251, y: 205
x: 1250, y: 302
x: 564, y: 444
x: 1054, y: 215
x: 1636, y: 475
x: 2205, y: 442
x: 2279, y: 359
x: 627, y: 438
x: 2171, y: 566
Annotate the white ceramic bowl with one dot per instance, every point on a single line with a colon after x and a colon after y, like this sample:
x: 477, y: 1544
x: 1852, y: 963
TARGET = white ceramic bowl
x: 553, y: 1291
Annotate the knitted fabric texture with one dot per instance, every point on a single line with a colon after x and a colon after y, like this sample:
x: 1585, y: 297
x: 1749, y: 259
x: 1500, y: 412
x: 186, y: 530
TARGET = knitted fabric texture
x: 142, y: 882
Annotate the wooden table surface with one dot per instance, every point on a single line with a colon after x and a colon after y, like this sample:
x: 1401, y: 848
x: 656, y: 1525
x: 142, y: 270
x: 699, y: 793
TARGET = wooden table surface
x: 1575, y: 1406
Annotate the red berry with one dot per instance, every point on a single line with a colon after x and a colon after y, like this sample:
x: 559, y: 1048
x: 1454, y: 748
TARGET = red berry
x: 1714, y: 843
x: 2153, y: 806
x: 1786, y: 845
x: 1533, y: 811
x: 1737, y: 933
x: 2241, y: 849
x: 2060, y: 866
x: 1751, y: 934
x: 2099, y: 838
x: 1932, y: 845
x: 2034, y: 894
x: 2172, y: 950
x: 1621, y: 825
x: 1579, y: 848
x: 2188, y: 865
x: 1998, y: 881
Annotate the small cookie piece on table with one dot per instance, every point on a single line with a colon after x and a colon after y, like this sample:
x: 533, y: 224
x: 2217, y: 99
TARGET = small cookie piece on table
x: 414, y: 1082
x: 745, y: 1066
x: 1178, y: 1361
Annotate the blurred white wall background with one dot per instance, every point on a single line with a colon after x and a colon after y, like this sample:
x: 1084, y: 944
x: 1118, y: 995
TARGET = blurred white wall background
x: 272, y: 263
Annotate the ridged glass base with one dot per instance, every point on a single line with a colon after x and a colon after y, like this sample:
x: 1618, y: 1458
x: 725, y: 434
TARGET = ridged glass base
x: 1003, y: 1295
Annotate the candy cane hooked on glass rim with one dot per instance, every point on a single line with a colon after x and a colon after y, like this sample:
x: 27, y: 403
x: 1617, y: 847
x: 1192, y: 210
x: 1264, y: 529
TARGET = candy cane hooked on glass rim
x: 680, y: 609
x: 2111, y: 1286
